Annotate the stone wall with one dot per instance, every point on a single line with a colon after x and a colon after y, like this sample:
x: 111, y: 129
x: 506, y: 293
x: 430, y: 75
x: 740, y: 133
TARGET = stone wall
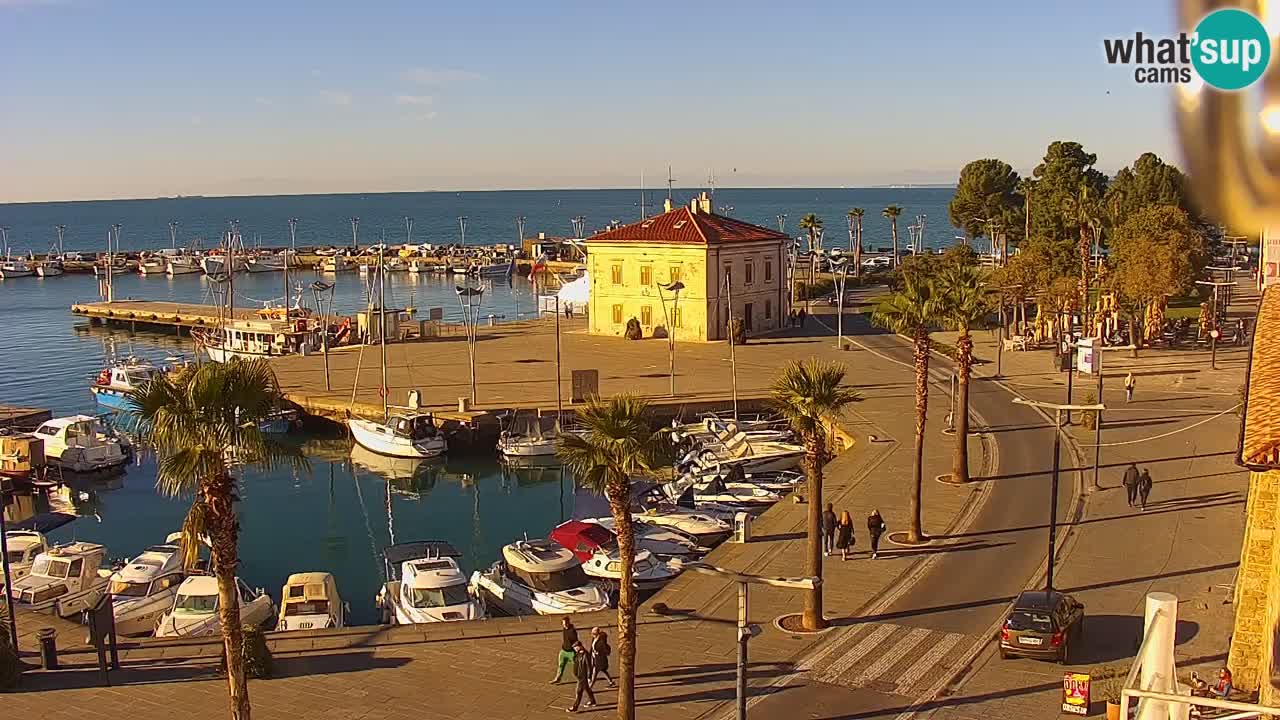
x: 1257, y: 592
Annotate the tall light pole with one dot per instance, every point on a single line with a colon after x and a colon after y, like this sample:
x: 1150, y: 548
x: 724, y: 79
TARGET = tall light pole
x: 318, y: 290
x: 1057, y: 409
x: 355, y: 234
x: 61, y: 230
x: 839, y: 273
x: 469, y: 298
x: 514, y: 295
x: 745, y: 630
x: 408, y: 231
x: 1003, y: 334
x: 733, y: 358
x: 462, y: 229
x: 1098, y: 351
x: 674, y: 288
x: 1214, y: 331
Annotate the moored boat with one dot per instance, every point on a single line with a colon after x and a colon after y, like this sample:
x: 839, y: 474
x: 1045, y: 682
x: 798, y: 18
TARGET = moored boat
x: 113, y: 384
x: 410, y: 435
x: 24, y: 546
x: 431, y: 587
x: 143, y: 590
x: 64, y: 580
x: 538, y: 577
x: 195, y: 608
x: 80, y: 444
x: 11, y: 269
x: 310, y: 601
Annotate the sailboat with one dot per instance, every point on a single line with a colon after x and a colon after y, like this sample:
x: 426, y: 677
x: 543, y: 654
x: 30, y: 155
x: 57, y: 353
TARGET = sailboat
x: 530, y: 441
x: 408, y: 434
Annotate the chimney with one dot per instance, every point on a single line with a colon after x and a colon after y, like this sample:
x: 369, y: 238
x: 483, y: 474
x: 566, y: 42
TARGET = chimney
x: 704, y: 203
x: 666, y: 205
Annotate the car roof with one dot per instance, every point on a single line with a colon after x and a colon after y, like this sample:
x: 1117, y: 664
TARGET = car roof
x: 1038, y: 600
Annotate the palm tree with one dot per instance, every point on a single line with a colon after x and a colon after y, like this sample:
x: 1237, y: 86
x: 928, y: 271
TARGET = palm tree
x: 813, y: 224
x: 855, y: 219
x: 620, y: 442
x: 807, y: 394
x: 200, y: 421
x: 892, y: 212
x: 963, y: 296
x: 914, y: 311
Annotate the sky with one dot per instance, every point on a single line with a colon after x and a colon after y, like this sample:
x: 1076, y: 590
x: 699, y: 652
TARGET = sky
x: 134, y: 98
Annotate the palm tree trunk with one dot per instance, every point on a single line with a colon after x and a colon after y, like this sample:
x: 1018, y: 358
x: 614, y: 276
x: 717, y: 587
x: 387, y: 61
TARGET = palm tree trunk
x: 814, y: 449
x: 916, y: 533
x: 224, y: 532
x: 964, y: 361
x: 893, y: 222
x: 857, y: 250
x: 620, y: 508
x: 1084, y: 280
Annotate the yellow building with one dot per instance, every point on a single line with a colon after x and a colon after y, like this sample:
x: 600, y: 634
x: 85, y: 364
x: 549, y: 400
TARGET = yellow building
x: 703, y: 251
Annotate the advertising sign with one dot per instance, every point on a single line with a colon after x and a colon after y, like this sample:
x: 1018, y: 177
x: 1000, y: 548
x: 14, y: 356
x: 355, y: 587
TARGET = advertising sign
x: 1075, y: 693
x: 1270, y: 268
x: 1086, y: 356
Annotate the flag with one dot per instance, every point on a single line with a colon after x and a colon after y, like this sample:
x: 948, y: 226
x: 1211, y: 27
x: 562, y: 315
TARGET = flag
x: 538, y: 264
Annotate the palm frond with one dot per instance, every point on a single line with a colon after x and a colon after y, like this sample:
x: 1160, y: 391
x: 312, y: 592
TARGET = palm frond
x: 619, y: 443
x: 806, y: 392
x: 963, y: 298
x: 915, y: 308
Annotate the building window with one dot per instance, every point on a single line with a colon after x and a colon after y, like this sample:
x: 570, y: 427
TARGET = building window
x: 675, y: 318
x: 768, y: 271
x: 768, y: 308
x: 617, y: 314
x: 673, y: 272
x: 749, y: 274
x: 646, y: 316
x: 646, y: 275
x: 616, y: 273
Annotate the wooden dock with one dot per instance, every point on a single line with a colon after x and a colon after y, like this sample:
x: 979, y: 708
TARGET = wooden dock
x: 156, y: 315
x: 23, y: 418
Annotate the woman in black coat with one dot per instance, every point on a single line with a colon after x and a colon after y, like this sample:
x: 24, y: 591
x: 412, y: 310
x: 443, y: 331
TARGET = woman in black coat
x: 844, y: 535
x: 875, y: 528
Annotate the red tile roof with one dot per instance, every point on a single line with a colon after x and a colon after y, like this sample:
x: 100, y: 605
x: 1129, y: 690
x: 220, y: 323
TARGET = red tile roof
x: 682, y: 226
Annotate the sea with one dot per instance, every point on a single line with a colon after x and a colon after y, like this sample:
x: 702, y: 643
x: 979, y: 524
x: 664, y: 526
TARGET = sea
x: 340, y: 512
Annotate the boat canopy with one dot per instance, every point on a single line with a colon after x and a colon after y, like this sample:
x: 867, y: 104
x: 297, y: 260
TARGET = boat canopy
x: 418, y: 550
x: 538, y: 556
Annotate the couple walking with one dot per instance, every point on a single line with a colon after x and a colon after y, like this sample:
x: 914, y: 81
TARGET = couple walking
x: 1137, y: 485
x: 587, y: 664
x: 838, y: 533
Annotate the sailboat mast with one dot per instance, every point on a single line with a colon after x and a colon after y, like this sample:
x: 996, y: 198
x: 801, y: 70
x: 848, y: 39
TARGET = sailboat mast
x: 382, y: 329
x: 288, y: 258
x: 231, y: 271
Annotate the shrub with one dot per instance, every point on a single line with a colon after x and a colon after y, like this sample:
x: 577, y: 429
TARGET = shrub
x: 257, y: 656
x: 818, y: 288
x: 9, y: 666
x: 1089, y: 418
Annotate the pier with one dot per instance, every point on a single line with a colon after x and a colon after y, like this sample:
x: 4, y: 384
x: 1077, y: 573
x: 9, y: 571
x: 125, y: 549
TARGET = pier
x: 155, y: 315
x: 23, y: 418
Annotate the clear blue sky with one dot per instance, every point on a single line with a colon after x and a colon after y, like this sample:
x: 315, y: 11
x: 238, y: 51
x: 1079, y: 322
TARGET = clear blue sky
x: 116, y: 98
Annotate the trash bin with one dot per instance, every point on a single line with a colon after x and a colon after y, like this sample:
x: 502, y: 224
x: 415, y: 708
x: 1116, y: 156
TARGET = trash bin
x: 742, y: 527
x: 48, y: 648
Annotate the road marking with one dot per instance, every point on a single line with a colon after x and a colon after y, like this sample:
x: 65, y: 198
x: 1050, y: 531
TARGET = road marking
x: 842, y: 641
x: 898, y: 651
x: 926, y: 663
x: 859, y: 651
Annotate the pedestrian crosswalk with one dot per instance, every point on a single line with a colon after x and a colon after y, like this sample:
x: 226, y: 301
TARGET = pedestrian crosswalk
x: 886, y: 657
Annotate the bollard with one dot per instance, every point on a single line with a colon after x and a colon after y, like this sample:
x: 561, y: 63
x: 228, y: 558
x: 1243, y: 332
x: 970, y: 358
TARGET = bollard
x: 48, y: 648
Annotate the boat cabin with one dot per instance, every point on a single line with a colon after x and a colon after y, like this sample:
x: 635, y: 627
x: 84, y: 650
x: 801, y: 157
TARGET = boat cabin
x: 59, y: 571
x: 268, y: 337
x: 414, y: 427
x: 310, y: 600
x: 157, y: 569
x: 584, y: 539
x: 126, y: 376
x: 81, y: 431
x: 24, y: 546
x: 543, y: 565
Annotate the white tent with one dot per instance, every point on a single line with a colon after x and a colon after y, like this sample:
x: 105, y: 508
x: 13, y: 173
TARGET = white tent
x: 575, y: 294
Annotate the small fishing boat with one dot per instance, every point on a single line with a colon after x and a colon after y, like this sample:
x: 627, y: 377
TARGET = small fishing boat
x: 10, y: 269
x: 154, y: 265
x: 143, y: 590
x: 183, y: 265
x: 113, y: 383
x: 216, y: 264
x: 80, y: 444
x: 431, y: 587
x: 310, y: 601
x: 24, y: 546
x: 538, y: 577
x: 408, y: 435
x: 195, y: 608
x: 336, y: 264
x: 64, y: 580
x: 49, y: 268
x: 492, y: 269
x: 249, y: 339
x: 265, y: 263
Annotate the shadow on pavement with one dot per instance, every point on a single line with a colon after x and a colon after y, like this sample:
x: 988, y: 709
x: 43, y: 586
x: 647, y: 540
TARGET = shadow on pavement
x: 1108, y: 638
x: 1156, y: 507
x: 1104, y: 466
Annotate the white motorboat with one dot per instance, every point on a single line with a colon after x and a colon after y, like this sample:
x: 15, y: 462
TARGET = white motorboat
x: 183, y: 265
x: 714, y: 489
x: 24, y: 546
x: 49, y: 268
x: 492, y: 269
x: 705, y: 528
x: 154, y: 265
x: 113, y: 383
x: 529, y: 439
x: 248, y: 339
x: 80, y: 444
x: 753, y: 456
x: 597, y: 548
x: 410, y: 435
x: 538, y: 577
x: 713, y: 427
x: 336, y: 264
x: 64, y: 580
x: 431, y: 587
x: 143, y: 590
x: 266, y: 263
x: 310, y: 601
x: 10, y: 269
x: 195, y: 608
x: 663, y: 542
x: 734, y: 478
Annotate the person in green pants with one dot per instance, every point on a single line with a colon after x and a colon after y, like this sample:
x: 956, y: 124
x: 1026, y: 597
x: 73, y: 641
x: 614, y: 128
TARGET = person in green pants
x: 568, y: 637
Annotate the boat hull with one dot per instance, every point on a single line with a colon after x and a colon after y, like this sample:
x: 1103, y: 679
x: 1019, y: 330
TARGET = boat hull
x: 366, y: 433
x: 527, y: 448
x: 48, y: 271
x: 110, y: 397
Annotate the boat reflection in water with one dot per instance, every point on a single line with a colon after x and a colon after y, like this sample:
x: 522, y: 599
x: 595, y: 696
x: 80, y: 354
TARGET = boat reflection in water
x: 406, y: 476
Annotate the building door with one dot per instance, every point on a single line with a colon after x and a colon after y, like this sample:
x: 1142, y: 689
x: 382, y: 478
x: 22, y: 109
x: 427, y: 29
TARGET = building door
x: 746, y: 319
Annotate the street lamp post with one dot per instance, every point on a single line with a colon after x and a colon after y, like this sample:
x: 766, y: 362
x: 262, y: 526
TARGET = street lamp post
x: 4, y: 561
x: 745, y: 629
x: 1214, y: 332
x: 469, y: 298
x: 318, y: 290
x: 1003, y: 331
x: 355, y: 234
x: 1098, y: 351
x: 839, y: 274
x: 1057, y: 409
x: 733, y: 358
x: 462, y: 228
x: 674, y: 288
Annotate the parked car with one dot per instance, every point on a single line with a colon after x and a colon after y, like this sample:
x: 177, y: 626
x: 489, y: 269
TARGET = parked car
x: 1042, y: 625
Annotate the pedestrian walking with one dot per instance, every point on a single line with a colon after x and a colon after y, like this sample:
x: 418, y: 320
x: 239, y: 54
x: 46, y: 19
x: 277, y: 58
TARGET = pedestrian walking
x: 802, y: 316
x: 568, y: 311
x: 568, y: 638
x: 1129, y: 382
x: 845, y: 539
x: 1144, y: 487
x: 875, y: 528
x: 1131, y: 483
x: 582, y: 668
x: 828, y: 530
x: 600, y: 656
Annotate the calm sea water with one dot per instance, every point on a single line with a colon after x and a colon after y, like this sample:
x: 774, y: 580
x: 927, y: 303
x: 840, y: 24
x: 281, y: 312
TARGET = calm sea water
x: 347, y: 506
